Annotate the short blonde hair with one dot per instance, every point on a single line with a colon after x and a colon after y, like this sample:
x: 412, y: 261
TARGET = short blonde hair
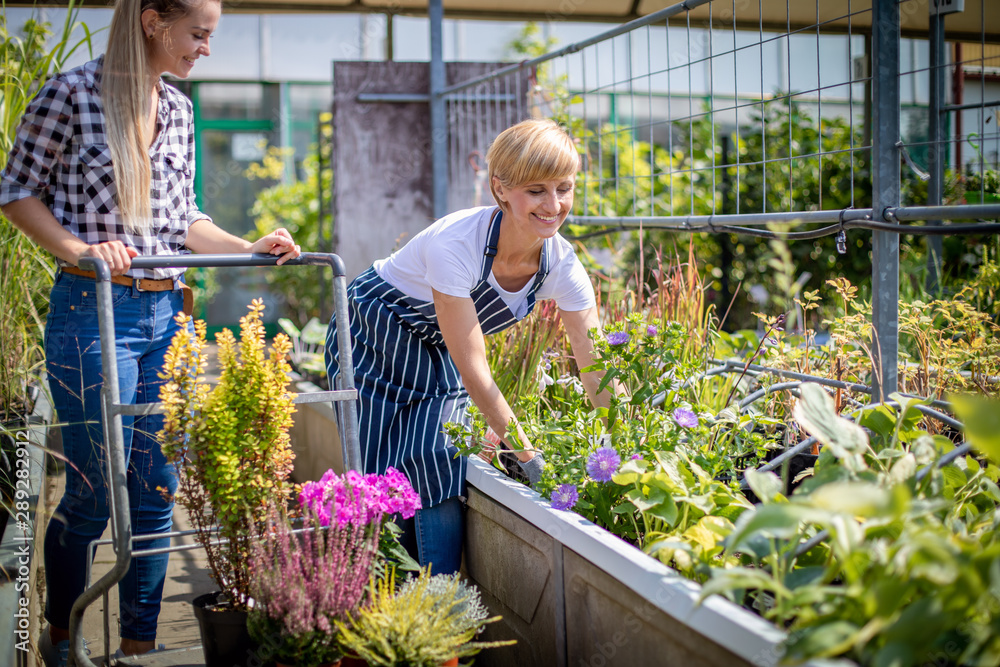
x: 531, y: 151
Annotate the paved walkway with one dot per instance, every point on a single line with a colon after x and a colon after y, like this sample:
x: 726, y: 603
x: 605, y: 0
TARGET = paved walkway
x: 187, y: 577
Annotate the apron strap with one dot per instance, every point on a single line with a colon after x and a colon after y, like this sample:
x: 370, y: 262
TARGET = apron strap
x: 492, y: 238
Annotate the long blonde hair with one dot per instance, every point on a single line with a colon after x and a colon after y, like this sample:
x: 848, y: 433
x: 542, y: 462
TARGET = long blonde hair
x: 125, y: 96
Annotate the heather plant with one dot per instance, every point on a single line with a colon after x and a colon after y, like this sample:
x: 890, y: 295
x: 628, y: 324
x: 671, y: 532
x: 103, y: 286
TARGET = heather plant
x: 424, y: 623
x: 468, y: 610
x: 230, y: 442
x: 304, y: 580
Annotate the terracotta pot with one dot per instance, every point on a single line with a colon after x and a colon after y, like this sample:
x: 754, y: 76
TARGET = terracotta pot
x: 329, y: 664
x: 450, y: 663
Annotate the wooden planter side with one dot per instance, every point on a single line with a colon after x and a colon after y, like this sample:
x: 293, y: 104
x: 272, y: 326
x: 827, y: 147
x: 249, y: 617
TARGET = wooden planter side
x: 574, y: 595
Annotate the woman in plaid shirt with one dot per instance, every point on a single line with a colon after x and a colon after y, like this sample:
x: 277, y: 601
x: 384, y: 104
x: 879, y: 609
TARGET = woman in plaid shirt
x: 103, y: 166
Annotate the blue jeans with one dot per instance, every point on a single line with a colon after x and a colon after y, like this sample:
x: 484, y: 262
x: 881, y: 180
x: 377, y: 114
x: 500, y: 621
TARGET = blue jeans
x: 144, y: 326
x: 434, y: 536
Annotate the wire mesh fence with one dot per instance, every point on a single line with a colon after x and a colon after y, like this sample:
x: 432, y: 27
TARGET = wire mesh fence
x: 737, y: 109
x: 735, y: 116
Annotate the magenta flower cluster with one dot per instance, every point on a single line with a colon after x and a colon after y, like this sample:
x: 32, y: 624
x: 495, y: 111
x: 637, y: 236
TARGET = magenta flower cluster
x: 356, y: 499
x: 564, y: 497
x: 603, y: 464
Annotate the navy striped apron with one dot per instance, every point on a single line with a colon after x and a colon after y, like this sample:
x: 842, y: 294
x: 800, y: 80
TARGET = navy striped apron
x: 408, y: 385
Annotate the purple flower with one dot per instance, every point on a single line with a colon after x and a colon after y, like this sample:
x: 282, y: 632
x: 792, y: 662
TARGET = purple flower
x: 651, y: 330
x: 685, y: 418
x: 565, y: 497
x: 602, y: 464
x: 636, y: 457
x: 617, y: 338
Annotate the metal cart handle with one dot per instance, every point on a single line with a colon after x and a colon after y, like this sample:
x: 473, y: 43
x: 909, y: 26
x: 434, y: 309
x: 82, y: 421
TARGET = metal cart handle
x: 100, y: 267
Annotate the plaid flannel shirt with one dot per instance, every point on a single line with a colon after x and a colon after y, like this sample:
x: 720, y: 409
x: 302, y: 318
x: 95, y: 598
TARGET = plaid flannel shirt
x: 61, y: 156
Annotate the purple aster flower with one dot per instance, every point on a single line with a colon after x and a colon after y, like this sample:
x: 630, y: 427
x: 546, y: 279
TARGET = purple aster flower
x: 602, y: 464
x: 636, y: 457
x: 685, y: 418
x: 651, y: 330
x: 565, y: 497
x: 617, y: 338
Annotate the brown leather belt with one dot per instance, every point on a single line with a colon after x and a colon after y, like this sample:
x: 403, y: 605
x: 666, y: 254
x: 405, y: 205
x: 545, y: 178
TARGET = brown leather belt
x: 141, y: 284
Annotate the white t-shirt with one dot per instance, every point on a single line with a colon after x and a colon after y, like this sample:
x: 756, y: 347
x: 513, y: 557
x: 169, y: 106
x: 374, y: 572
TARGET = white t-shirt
x: 448, y: 256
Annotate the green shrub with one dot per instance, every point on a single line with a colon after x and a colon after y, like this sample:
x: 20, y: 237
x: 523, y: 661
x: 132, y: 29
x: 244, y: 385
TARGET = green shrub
x: 230, y: 442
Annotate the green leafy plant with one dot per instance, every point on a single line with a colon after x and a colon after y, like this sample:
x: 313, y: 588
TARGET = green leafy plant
x: 428, y: 621
x: 910, y: 572
x: 230, y: 442
x: 686, y: 514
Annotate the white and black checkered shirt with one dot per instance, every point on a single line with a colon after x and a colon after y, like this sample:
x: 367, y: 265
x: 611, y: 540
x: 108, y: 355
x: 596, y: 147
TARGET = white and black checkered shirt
x: 61, y: 156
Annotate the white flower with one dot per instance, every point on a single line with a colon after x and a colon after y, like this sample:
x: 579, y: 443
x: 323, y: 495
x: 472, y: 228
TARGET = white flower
x: 572, y: 382
x: 544, y: 380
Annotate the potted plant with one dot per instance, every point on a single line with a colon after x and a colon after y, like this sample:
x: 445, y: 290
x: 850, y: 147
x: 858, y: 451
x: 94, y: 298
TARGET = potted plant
x: 431, y: 621
x: 230, y: 445
x: 303, y: 581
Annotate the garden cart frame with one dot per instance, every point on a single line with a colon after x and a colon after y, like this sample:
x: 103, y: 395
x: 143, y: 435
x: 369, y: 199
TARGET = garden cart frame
x: 122, y: 540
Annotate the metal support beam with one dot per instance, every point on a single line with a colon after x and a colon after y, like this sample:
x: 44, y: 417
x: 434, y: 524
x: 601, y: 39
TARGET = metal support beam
x: 439, y: 119
x: 885, y: 194
x: 936, y: 151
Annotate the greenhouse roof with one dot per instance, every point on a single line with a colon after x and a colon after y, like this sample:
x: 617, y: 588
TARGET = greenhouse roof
x: 974, y: 23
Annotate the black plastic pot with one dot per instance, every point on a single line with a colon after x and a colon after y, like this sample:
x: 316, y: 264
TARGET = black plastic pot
x: 224, y: 635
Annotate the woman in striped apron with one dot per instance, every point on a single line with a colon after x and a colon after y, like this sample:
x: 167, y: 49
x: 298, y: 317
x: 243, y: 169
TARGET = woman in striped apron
x: 418, y: 320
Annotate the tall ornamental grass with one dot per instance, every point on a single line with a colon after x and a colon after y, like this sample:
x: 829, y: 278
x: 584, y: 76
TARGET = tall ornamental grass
x: 28, y: 58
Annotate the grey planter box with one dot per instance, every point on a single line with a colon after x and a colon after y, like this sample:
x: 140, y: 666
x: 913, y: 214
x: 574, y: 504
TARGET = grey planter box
x: 574, y: 595
x: 315, y: 438
x: 21, y: 546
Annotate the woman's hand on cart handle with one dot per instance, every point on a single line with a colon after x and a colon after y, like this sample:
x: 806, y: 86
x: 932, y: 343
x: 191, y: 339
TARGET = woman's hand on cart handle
x: 116, y: 254
x: 278, y: 242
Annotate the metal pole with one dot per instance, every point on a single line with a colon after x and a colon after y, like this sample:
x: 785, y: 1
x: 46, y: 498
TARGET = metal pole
x: 439, y: 119
x: 935, y: 156
x: 113, y: 437
x: 885, y: 194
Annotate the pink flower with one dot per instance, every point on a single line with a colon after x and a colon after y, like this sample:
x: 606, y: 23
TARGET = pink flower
x: 356, y: 499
